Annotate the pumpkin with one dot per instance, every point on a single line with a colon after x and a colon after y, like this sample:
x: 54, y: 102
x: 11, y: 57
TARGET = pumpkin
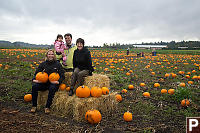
x: 173, y: 75
x: 182, y: 84
x: 42, y: 77
x: 82, y: 91
x: 146, y: 94
x: 93, y: 116
x: 128, y: 116
x: 167, y: 75
x: 156, y: 85
x: 185, y: 102
x: 130, y: 87
x: 67, y: 88
x: 127, y: 74
x: 54, y: 77
x: 96, y: 92
x: 62, y: 87
x: 105, y: 90
x: 142, y: 84
x: 153, y: 73
x: 118, y: 97
x: 171, y: 91
x: 190, y: 82
x: 163, y: 91
x: 187, y: 76
x: 28, y: 97
x: 124, y: 91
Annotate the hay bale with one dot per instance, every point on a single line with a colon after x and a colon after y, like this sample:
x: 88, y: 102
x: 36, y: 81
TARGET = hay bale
x: 97, y: 80
x: 42, y: 98
x: 74, y: 107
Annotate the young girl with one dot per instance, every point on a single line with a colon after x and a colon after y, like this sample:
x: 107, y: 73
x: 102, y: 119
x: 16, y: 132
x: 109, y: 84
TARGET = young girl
x: 60, y: 47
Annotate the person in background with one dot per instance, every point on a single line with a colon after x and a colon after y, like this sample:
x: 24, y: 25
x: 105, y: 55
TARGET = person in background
x: 71, y: 47
x: 49, y: 66
x: 82, y: 65
x: 60, y: 47
x: 127, y: 51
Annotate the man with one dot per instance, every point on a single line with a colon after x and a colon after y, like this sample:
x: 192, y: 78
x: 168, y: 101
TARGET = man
x: 69, y: 52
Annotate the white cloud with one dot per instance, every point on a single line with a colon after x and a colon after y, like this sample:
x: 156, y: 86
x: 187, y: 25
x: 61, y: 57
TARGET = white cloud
x: 100, y: 21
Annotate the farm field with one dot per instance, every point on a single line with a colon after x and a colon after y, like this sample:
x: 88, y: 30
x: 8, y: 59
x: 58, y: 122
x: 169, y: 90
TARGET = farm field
x: 177, y: 71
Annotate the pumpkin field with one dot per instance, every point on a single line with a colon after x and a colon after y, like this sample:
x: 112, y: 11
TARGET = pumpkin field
x: 158, y: 92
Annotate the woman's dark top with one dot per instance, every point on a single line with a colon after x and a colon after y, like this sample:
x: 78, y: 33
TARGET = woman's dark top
x: 82, y: 60
x: 50, y: 67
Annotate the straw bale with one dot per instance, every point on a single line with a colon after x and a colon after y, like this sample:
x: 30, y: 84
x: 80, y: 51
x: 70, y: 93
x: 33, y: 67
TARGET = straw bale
x: 42, y: 98
x: 97, y: 80
x: 74, y: 107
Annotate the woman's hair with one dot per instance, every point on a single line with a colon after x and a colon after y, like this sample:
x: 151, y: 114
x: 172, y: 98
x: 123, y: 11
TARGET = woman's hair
x: 54, y: 58
x: 80, y: 40
x: 59, y: 36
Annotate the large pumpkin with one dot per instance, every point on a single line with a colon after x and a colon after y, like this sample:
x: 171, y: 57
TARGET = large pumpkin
x: 54, y: 77
x: 82, y: 91
x: 96, y: 92
x: 42, y: 77
x: 93, y: 116
x: 118, y: 97
x: 28, y: 97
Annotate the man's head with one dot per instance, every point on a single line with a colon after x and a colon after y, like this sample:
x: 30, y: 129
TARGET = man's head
x: 68, y: 38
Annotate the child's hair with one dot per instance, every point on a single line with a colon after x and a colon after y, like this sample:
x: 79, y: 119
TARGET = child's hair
x: 59, y: 36
x: 80, y: 40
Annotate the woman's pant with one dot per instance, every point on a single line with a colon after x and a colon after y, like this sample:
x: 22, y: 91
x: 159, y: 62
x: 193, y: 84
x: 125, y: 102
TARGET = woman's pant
x: 78, y: 78
x: 42, y: 87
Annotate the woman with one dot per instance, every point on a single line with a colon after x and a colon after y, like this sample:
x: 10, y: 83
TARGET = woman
x: 49, y: 66
x: 82, y: 65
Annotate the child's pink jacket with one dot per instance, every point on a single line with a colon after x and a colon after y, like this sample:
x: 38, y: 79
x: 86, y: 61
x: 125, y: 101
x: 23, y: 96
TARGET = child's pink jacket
x: 59, y: 46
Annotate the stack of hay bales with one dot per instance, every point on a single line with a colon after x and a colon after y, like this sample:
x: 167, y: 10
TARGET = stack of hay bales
x: 74, y: 107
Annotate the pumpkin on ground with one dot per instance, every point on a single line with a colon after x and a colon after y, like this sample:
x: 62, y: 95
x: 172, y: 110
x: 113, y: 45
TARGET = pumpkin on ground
x: 105, y: 90
x: 96, y: 92
x: 128, y: 116
x: 156, y: 85
x: 118, y: 97
x: 124, y: 91
x: 82, y: 91
x: 42, y: 77
x: 93, y: 116
x: 28, y: 97
x: 185, y: 102
x: 164, y: 91
x: 146, y: 94
x: 171, y: 91
x: 54, y: 77
x: 130, y: 87
x: 142, y: 84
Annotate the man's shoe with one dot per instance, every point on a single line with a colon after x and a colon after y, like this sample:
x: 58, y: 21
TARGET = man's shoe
x: 46, y: 110
x: 33, y: 109
x: 71, y: 92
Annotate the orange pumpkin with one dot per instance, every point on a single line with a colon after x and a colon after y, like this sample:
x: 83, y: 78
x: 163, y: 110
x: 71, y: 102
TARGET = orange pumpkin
x: 146, y: 94
x: 28, y: 97
x: 42, y: 77
x: 185, y: 102
x: 96, y: 92
x: 173, y: 75
x: 128, y: 116
x: 93, y: 116
x: 54, y: 77
x: 127, y: 74
x: 118, y: 97
x: 130, y: 87
x: 156, y: 85
x: 171, y: 91
x: 124, y: 91
x: 82, y: 91
x: 153, y: 73
x: 187, y: 76
x: 167, y: 75
x: 182, y: 84
x: 105, y: 90
x: 62, y: 87
x: 190, y: 82
x: 67, y: 88
x: 142, y: 84
x: 163, y: 91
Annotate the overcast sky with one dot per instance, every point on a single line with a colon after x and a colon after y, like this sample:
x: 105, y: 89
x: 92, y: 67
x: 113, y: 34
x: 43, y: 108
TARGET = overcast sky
x: 100, y: 21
